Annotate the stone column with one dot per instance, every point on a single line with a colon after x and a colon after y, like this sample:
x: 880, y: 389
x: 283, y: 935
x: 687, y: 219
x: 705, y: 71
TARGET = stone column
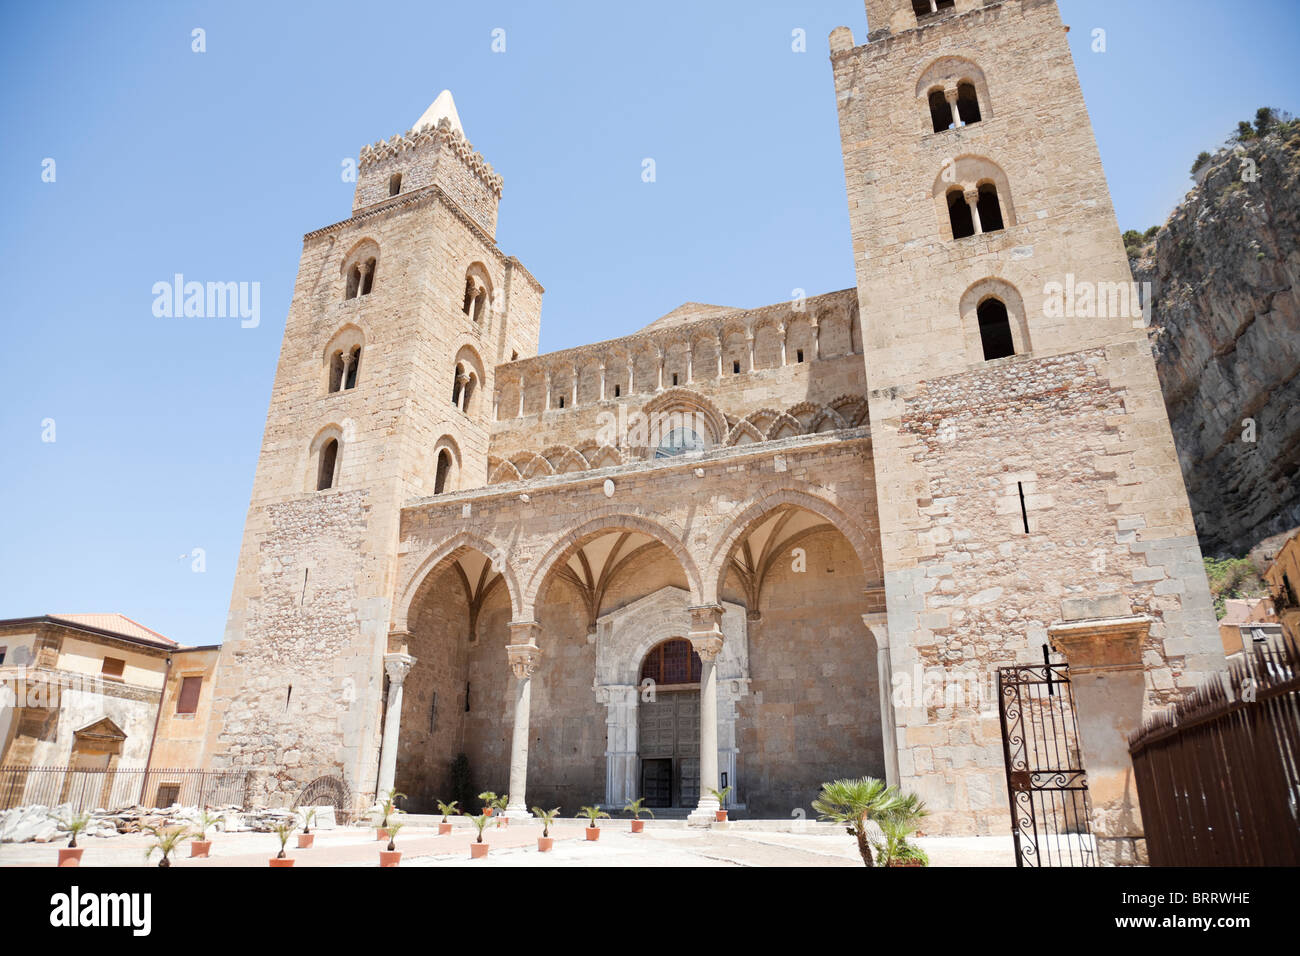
x: 521, y: 397
x: 546, y: 404
x: 397, y: 666
x: 690, y: 363
x: 951, y: 97
x: 706, y: 639
x: 574, y: 400
x: 878, y: 626
x: 816, y: 339
x: 602, y: 381
x: 1106, y: 674
x: 463, y: 378
x: 659, y: 387
x: 524, y: 655
x: 780, y: 330
x: 721, y: 343
x: 631, y: 373
x: 973, y: 200
x: 496, y: 404
x: 347, y: 364
x: 749, y: 341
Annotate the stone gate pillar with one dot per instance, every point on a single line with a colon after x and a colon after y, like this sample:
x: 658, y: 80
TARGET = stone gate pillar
x: 524, y: 656
x: 877, y: 624
x: 397, y: 666
x: 1109, y: 683
x: 706, y: 639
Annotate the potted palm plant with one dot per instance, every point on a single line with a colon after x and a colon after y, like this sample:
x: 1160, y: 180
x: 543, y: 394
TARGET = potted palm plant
x: 489, y: 800
x: 896, y: 825
x: 200, y: 846
x: 392, y: 856
x: 446, y: 808
x: 306, y: 838
x: 166, y: 840
x: 855, y: 803
x: 478, y: 849
x: 545, y: 841
x: 636, y: 808
x: 720, y: 815
x: 593, y: 814
x: 70, y: 855
x: 284, y: 829
x: 385, y: 809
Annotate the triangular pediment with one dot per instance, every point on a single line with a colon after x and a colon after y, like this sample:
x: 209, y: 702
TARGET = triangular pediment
x: 102, y: 729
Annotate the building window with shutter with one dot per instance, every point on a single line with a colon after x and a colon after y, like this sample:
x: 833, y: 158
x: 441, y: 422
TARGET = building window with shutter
x: 187, y: 701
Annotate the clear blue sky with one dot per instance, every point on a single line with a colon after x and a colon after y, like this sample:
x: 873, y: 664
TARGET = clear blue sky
x: 214, y: 165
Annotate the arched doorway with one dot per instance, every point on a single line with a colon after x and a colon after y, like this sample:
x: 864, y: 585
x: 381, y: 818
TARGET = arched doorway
x: 668, y: 722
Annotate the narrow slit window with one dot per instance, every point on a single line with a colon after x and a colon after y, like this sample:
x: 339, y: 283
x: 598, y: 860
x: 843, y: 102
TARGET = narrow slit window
x: 394, y: 184
x: 735, y: 368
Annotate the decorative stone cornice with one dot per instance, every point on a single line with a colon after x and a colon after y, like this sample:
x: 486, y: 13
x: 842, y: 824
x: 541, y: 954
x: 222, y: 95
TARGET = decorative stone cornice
x: 441, y: 135
x: 1102, y: 644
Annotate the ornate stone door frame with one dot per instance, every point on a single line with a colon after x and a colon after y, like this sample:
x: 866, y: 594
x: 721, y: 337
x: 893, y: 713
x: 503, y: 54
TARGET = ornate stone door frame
x: 622, y: 639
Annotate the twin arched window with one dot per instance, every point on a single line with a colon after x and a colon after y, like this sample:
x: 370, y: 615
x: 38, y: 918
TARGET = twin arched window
x: 972, y: 211
x: 361, y: 279
x: 463, y: 386
x: 344, y: 366
x: 478, y: 292
x: 956, y: 108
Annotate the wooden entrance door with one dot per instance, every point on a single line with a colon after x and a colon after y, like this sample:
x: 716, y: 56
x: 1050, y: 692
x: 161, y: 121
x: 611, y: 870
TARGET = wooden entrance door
x: 669, y: 747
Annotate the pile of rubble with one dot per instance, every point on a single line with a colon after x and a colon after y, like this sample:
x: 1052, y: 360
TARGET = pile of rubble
x: 42, y: 824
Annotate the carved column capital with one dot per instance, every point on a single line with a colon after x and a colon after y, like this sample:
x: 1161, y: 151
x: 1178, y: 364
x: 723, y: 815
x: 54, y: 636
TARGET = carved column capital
x: 397, y: 667
x: 524, y: 659
x: 706, y: 630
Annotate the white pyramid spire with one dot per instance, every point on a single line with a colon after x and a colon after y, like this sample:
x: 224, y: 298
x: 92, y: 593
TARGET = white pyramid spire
x: 443, y: 106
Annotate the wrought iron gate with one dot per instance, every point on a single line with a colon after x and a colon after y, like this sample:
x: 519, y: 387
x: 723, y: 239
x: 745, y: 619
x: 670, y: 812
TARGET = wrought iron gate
x: 1046, y: 785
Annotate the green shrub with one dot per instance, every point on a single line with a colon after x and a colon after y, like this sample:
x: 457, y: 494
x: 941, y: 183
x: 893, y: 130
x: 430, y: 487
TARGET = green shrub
x: 1232, y: 578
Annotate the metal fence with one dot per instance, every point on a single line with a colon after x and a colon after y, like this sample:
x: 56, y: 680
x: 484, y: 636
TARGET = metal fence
x: 1218, y: 775
x: 101, y: 788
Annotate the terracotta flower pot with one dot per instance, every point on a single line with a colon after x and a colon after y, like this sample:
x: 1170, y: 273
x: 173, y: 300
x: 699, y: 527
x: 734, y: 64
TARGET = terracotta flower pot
x: 381, y: 834
x: 638, y: 826
x: 390, y: 857
x: 487, y: 811
x: 477, y: 851
x: 199, y: 849
x: 544, y: 844
x: 593, y: 833
x: 305, y: 840
x: 720, y: 816
x: 276, y: 861
x: 503, y: 821
x: 444, y: 829
x: 906, y: 863
x: 70, y: 856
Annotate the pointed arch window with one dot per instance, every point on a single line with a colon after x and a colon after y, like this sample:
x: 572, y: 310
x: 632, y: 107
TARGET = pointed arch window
x: 327, y: 465
x: 995, y: 330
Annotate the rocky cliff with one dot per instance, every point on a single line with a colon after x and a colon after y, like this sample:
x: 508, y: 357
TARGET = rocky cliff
x: 1226, y: 335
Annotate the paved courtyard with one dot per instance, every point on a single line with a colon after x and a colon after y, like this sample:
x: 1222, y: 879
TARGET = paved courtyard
x: 751, y: 843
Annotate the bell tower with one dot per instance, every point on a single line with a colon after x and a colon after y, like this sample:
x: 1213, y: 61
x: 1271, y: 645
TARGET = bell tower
x: 1025, y: 470
x: 382, y: 396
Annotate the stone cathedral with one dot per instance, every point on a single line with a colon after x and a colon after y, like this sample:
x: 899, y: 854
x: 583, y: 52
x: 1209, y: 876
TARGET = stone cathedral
x: 736, y: 547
